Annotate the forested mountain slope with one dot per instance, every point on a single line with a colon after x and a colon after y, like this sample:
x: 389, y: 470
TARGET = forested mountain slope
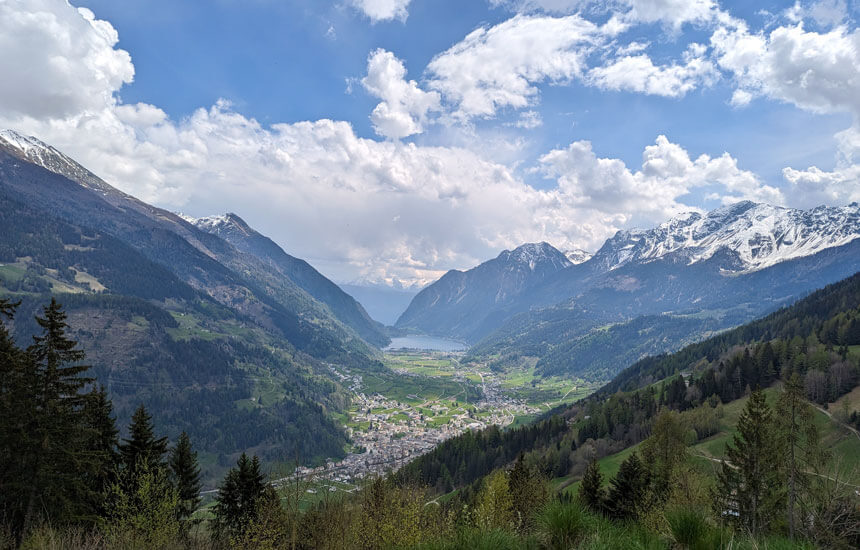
x: 814, y: 339
x: 215, y: 341
x: 237, y: 232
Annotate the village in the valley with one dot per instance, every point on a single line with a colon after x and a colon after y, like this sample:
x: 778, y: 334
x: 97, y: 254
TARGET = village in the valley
x: 387, y: 433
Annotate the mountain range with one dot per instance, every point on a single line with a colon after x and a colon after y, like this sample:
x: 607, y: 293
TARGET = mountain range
x: 210, y: 324
x: 644, y: 291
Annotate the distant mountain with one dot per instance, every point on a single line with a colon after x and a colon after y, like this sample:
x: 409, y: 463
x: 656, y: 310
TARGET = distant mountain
x: 383, y: 303
x: 345, y: 308
x: 692, y: 276
x: 756, y: 235
x: 466, y: 304
x: 216, y: 340
x: 577, y: 256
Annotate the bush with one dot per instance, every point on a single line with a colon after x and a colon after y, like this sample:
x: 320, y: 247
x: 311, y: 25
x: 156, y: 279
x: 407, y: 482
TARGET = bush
x: 690, y: 528
x: 561, y: 525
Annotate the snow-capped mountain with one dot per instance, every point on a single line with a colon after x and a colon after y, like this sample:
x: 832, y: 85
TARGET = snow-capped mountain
x: 749, y: 256
x: 541, y: 256
x: 758, y: 235
x: 46, y: 156
x: 578, y: 256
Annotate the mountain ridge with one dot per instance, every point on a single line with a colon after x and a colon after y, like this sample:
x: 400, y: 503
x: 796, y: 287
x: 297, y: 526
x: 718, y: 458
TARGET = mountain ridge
x: 240, y: 234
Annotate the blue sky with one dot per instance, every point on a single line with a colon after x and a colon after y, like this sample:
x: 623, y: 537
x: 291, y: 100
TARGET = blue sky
x: 390, y: 140
x: 284, y: 61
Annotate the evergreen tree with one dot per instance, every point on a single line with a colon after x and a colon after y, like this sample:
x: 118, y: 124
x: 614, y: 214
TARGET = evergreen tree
x: 748, y: 485
x: 186, y: 476
x: 16, y: 407
x: 797, y: 438
x: 528, y: 494
x: 628, y: 491
x: 141, y: 446
x: 102, y: 454
x: 238, y: 496
x: 591, y: 491
x: 57, y: 427
x: 664, y: 451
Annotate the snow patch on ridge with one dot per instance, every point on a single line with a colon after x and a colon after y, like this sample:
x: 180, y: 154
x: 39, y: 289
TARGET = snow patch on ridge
x: 760, y: 235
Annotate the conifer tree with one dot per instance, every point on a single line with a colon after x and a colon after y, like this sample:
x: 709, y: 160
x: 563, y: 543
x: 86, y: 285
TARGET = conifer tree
x: 798, y: 442
x: 186, y: 476
x: 748, y: 485
x: 102, y: 443
x: 238, y: 496
x: 664, y: 451
x: 528, y: 494
x: 141, y: 446
x: 628, y: 490
x: 15, y: 414
x: 58, y: 423
x: 591, y: 491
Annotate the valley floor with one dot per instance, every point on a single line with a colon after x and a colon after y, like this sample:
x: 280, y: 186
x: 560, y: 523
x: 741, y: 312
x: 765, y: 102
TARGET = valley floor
x: 425, y: 398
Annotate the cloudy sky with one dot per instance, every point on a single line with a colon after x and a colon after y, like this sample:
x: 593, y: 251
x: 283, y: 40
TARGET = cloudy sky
x: 391, y: 140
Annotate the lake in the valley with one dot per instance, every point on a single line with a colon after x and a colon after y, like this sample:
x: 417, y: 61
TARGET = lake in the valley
x: 426, y: 343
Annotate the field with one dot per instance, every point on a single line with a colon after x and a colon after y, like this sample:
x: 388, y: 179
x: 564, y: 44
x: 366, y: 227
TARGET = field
x: 418, y: 389
x: 843, y: 445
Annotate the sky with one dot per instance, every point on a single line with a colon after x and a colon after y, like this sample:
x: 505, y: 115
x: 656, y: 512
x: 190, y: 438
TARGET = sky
x: 387, y: 141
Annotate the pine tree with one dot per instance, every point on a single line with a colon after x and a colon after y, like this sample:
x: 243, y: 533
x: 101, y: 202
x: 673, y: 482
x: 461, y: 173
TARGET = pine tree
x: 628, y: 490
x: 141, y: 446
x: 591, y: 491
x: 798, y: 441
x: 102, y: 443
x: 186, y: 476
x: 58, y: 423
x: 238, y: 496
x: 748, y: 485
x: 16, y: 408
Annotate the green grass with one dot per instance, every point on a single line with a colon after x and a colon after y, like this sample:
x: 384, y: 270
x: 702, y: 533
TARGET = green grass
x: 12, y: 273
x: 843, y: 445
x: 189, y: 327
x: 426, y: 388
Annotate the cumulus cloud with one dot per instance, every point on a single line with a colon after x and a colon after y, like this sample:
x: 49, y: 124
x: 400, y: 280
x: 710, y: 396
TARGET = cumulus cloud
x: 653, y: 192
x: 638, y: 73
x: 356, y: 207
x: 383, y: 10
x: 498, y: 67
x: 404, y: 107
x: 58, y: 60
x: 819, y: 72
x: 815, y: 71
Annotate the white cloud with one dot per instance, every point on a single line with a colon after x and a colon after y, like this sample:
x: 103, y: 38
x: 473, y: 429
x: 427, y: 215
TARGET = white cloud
x: 672, y: 13
x: 498, y: 67
x: 404, y: 107
x: 383, y: 10
x: 813, y: 186
x: 827, y: 13
x: 817, y: 72
x: 529, y: 120
x: 360, y: 208
x: 549, y: 6
x: 637, y: 73
x: 58, y: 60
x: 655, y: 191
